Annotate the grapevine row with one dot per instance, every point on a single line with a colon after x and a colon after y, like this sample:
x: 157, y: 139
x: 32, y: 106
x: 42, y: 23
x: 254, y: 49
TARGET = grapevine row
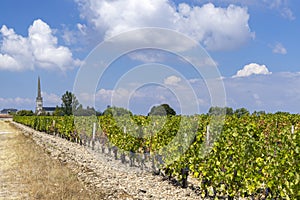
x: 252, y: 156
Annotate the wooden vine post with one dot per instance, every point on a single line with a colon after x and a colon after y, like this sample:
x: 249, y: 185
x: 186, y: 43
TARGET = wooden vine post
x: 94, y: 135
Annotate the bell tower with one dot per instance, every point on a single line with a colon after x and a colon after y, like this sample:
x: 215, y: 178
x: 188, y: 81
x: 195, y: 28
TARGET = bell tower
x: 39, y: 99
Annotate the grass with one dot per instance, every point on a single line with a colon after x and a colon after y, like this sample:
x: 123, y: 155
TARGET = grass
x: 33, y: 174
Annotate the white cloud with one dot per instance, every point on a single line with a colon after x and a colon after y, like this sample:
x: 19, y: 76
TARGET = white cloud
x: 172, y: 80
x: 28, y: 103
x: 117, y: 97
x: 257, y: 99
x: 16, y: 102
x: 279, y: 49
x: 288, y: 13
x: 252, y: 68
x: 8, y: 63
x: 138, y: 100
x: 146, y: 57
x: 275, y: 3
x: 282, y: 6
x: 200, y: 62
x: 143, y: 98
x: 276, y: 92
x: 51, y: 99
x: 82, y: 28
x: 69, y: 36
x: 215, y: 27
x: 39, y: 49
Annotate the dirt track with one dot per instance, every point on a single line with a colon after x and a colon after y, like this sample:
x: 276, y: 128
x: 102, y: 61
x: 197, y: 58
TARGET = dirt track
x: 27, y: 172
x: 10, y: 186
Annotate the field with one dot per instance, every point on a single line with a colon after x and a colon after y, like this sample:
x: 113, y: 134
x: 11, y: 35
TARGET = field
x: 253, y: 156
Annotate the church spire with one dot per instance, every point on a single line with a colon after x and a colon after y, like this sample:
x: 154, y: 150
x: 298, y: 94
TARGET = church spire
x: 39, y: 95
x: 39, y: 99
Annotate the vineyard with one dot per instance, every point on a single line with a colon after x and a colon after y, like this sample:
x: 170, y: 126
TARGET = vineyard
x: 255, y: 156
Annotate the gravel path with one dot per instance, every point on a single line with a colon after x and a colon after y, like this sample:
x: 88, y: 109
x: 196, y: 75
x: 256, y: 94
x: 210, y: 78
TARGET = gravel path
x: 115, y: 180
x: 27, y: 172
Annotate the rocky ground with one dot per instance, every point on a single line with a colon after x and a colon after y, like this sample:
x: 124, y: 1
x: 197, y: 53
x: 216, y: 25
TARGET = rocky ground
x: 106, y: 175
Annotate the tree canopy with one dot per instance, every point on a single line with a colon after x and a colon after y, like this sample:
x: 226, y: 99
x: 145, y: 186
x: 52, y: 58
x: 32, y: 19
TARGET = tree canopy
x: 80, y: 111
x: 69, y: 103
x: 25, y: 113
x: 162, y: 110
x: 241, y: 111
x: 220, y: 111
x: 116, y: 111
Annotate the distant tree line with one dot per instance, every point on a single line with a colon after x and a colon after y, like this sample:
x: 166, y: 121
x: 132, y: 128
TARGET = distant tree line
x: 228, y: 111
x: 71, y: 106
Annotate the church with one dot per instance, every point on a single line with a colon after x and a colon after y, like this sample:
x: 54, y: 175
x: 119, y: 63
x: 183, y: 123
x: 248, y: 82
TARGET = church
x: 39, y: 109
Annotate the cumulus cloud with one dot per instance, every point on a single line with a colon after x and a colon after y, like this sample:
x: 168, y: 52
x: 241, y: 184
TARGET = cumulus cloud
x: 252, y: 68
x: 215, y: 27
x: 279, y: 49
x: 39, y: 49
x: 281, y: 6
x: 172, y: 80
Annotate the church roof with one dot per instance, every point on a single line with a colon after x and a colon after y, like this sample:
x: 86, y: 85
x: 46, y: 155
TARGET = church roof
x: 49, y: 108
x: 9, y: 110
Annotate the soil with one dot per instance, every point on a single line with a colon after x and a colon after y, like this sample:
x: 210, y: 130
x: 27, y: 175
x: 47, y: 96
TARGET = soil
x: 27, y: 172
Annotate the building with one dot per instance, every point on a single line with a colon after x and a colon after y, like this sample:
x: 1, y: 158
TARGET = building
x: 39, y: 109
x: 39, y: 100
x: 49, y: 110
x: 8, y: 111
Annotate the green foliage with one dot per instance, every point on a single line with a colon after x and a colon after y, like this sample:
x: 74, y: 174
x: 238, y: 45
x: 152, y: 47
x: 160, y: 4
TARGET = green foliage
x: 259, y: 113
x: 89, y: 111
x: 162, y: 110
x: 69, y: 103
x: 241, y: 111
x: 252, y: 152
x: 58, y: 111
x: 116, y: 111
x: 220, y: 111
x: 25, y: 113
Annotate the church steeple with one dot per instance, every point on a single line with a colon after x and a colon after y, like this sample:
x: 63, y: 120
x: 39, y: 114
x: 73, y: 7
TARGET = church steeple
x: 39, y: 99
x: 39, y: 94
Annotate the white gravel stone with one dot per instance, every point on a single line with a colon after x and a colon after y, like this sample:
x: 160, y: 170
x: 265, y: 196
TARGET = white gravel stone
x: 117, y: 180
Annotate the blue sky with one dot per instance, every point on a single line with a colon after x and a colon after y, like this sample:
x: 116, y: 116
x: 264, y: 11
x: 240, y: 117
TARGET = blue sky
x: 254, y: 45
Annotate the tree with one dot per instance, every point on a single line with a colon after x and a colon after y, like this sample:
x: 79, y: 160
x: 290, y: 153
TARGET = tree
x: 162, y: 110
x: 25, y: 113
x: 241, y: 111
x: 116, y: 111
x: 259, y: 113
x: 80, y: 111
x: 220, y: 111
x: 229, y: 111
x: 69, y: 103
x: 282, y: 113
x: 58, y: 111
